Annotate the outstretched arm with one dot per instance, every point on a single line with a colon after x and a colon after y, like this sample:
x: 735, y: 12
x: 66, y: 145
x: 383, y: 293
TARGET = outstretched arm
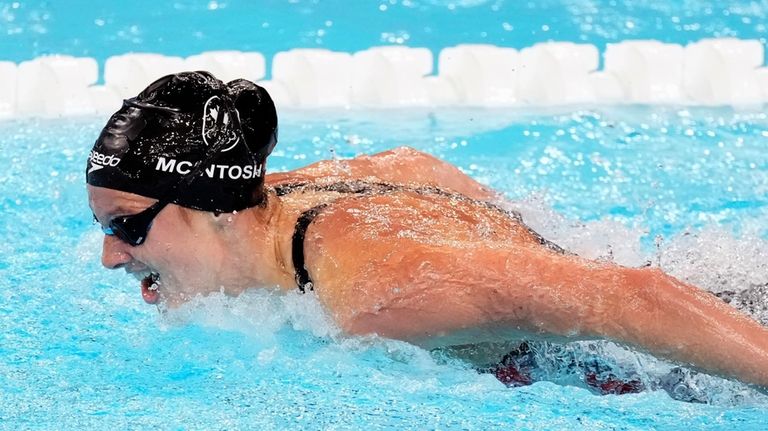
x: 536, y: 291
x: 401, y: 165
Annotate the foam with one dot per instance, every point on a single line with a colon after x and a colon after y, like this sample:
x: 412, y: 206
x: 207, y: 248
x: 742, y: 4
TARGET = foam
x: 712, y: 259
x: 603, y: 239
x: 727, y: 72
x: 257, y: 312
x: 716, y: 260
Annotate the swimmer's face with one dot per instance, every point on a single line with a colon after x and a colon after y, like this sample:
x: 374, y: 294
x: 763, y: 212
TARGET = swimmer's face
x: 174, y: 263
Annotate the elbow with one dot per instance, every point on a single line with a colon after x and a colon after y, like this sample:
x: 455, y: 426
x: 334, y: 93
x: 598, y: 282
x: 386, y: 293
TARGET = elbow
x: 636, y: 308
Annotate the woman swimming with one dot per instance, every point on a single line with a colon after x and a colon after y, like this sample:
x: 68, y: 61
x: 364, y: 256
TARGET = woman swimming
x: 399, y: 244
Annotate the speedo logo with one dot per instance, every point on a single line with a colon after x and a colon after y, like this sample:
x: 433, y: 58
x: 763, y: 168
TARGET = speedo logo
x: 100, y: 161
x: 233, y: 172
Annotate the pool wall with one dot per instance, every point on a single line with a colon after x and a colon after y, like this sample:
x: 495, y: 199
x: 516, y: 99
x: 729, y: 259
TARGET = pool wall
x: 709, y: 72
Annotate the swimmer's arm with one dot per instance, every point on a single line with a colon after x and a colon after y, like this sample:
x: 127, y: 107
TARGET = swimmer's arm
x: 535, y: 291
x: 401, y: 165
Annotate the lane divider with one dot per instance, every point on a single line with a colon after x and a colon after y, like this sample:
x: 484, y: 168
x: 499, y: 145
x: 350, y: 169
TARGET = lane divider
x: 709, y: 72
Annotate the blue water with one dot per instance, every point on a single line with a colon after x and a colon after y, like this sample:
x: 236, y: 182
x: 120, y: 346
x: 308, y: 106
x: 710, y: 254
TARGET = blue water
x: 182, y: 27
x: 80, y: 350
x: 683, y: 188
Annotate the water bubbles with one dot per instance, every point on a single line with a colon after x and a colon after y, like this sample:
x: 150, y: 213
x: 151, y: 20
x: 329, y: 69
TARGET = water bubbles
x: 258, y: 313
x: 716, y: 260
x: 353, y: 139
x: 267, y: 355
x: 398, y: 37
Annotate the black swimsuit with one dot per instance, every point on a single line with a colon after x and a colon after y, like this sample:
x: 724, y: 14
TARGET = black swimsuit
x: 303, y: 280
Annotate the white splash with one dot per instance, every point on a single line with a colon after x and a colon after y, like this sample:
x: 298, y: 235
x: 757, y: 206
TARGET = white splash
x: 717, y: 260
x: 601, y: 239
x: 259, y: 313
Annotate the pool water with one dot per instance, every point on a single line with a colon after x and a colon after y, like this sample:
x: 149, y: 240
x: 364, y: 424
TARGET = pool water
x: 79, y: 349
x: 683, y: 189
x: 100, y: 29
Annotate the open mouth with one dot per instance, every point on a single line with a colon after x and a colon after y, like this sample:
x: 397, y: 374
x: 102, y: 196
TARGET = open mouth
x: 149, y: 286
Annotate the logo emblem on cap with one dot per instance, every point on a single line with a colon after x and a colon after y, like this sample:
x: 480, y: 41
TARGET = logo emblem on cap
x: 212, y: 127
x: 101, y: 161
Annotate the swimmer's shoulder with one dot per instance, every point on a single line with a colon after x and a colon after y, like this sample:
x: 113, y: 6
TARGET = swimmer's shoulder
x: 365, y: 252
x: 379, y: 225
x: 402, y: 165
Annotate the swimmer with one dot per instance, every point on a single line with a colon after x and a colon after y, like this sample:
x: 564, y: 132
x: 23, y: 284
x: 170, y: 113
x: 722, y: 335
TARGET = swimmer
x: 397, y: 244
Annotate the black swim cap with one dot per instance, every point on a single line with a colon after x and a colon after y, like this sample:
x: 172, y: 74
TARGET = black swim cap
x: 191, y: 136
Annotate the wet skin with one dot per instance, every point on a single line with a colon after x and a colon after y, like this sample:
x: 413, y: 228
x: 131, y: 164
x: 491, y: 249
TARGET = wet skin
x: 433, y: 270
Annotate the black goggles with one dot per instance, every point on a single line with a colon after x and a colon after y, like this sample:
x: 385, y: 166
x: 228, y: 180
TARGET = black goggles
x: 134, y: 228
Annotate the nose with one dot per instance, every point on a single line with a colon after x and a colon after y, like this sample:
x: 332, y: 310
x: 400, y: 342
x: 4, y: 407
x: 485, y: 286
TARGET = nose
x: 114, y: 253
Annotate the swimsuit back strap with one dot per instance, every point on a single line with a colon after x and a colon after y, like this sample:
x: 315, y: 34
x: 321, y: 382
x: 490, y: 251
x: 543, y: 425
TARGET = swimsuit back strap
x: 302, y: 277
x: 303, y: 280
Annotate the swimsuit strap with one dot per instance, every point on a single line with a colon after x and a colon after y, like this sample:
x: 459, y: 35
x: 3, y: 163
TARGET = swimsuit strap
x: 349, y: 187
x: 370, y: 187
x: 304, y: 281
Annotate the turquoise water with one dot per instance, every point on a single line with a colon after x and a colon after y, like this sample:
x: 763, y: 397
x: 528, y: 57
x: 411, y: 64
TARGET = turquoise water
x: 80, y: 350
x: 182, y: 27
x: 682, y: 188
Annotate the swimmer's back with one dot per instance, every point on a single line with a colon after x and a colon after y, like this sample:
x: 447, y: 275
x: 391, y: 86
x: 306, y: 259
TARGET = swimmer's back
x: 392, y: 246
x: 423, y: 217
